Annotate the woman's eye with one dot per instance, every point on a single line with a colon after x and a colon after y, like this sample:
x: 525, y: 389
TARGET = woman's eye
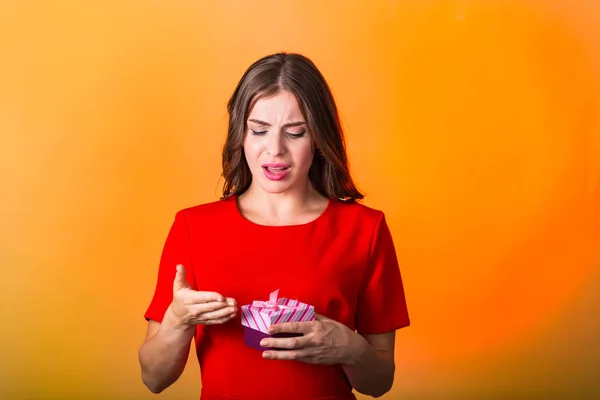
x: 296, y: 135
x: 291, y: 134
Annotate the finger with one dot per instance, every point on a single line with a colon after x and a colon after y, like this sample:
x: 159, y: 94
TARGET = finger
x: 231, y: 301
x: 298, y: 355
x: 287, y: 343
x: 221, y: 313
x: 204, y: 297
x: 203, y: 308
x: 216, y: 321
x: 180, y: 282
x: 292, y: 327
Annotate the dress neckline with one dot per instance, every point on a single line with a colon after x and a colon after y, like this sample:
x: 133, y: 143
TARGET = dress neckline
x: 326, y: 211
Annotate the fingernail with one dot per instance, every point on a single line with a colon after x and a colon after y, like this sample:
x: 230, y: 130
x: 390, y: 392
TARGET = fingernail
x: 266, y: 354
x: 264, y: 343
x: 231, y: 303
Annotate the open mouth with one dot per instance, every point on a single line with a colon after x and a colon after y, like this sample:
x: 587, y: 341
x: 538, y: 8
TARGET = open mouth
x: 276, y: 170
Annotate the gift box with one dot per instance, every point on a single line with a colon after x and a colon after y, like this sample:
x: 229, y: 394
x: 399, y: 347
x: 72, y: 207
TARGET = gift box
x: 260, y: 315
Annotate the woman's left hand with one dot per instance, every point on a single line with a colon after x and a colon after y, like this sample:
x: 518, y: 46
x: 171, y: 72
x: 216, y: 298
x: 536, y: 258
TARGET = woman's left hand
x: 324, y: 341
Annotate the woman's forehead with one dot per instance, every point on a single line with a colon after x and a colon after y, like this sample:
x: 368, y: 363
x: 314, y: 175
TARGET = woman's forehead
x: 282, y: 106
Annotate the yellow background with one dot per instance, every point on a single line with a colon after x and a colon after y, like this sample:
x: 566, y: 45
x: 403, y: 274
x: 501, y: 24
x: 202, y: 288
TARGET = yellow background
x: 475, y: 125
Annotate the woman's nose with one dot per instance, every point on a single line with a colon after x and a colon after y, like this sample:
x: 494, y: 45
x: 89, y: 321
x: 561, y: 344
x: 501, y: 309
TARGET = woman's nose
x: 275, y: 145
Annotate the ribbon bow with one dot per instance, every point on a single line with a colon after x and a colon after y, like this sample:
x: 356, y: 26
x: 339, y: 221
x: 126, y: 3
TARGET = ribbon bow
x: 271, y: 304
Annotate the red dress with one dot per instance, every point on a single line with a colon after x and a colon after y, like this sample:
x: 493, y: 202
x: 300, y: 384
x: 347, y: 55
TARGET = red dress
x: 343, y: 263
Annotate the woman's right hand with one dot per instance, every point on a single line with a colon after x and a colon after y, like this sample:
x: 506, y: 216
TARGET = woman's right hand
x: 191, y: 307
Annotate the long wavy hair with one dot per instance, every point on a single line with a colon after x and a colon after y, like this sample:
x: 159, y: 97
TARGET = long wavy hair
x: 329, y: 172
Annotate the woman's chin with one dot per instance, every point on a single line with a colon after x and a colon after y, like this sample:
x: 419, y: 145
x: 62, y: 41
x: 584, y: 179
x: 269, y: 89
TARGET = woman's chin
x: 275, y: 187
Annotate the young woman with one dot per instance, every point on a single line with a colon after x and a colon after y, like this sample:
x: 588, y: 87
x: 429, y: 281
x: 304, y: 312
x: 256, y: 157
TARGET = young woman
x: 289, y: 220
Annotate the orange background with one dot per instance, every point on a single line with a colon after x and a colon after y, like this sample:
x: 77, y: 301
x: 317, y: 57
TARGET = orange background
x: 475, y: 125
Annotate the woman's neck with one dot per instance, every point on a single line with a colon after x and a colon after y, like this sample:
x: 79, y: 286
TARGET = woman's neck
x: 290, y: 207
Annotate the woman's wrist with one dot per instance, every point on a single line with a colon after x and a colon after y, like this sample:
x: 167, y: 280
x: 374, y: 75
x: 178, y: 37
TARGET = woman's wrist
x: 358, y: 350
x: 173, y: 323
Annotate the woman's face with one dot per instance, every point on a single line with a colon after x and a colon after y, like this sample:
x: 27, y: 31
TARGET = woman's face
x: 278, y: 146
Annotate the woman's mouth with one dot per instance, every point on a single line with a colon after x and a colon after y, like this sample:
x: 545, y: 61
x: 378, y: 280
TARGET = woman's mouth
x: 276, y: 172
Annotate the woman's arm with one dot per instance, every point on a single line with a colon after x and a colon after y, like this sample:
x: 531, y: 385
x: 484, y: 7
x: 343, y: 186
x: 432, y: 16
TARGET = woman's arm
x: 164, y: 353
x: 370, y: 366
x: 165, y: 350
x: 367, y: 360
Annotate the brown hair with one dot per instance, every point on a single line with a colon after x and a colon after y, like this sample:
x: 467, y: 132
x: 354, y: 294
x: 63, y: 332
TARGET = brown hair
x: 329, y: 172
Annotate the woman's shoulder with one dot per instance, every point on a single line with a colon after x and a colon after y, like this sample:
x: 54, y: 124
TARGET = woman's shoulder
x: 214, y: 209
x: 357, y: 212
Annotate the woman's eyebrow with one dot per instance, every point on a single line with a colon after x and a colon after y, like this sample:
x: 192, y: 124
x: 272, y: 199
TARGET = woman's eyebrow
x: 290, y: 124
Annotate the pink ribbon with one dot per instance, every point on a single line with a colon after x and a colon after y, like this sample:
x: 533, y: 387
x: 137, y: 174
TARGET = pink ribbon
x: 271, y: 304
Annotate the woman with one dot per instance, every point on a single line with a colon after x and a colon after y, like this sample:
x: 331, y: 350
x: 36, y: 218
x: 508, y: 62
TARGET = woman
x: 288, y: 219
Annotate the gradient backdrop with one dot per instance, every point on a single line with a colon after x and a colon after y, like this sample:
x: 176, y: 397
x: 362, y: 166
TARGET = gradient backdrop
x: 475, y: 125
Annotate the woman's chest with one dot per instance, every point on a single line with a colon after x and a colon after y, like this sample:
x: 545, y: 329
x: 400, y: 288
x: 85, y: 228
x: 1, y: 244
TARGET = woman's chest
x: 326, y: 273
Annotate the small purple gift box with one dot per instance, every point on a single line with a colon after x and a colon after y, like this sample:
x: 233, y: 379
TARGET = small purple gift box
x: 260, y: 315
